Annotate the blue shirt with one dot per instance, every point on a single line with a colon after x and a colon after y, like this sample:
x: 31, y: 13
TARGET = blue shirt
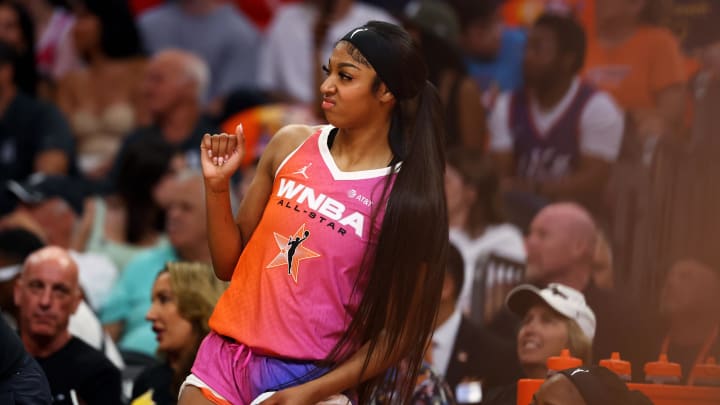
x: 129, y: 299
x: 224, y: 38
x: 506, y: 69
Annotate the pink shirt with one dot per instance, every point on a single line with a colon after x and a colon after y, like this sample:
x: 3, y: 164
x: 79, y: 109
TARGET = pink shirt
x: 291, y: 294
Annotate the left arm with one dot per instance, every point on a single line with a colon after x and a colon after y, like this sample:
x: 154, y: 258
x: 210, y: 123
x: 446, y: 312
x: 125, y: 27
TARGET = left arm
x: 591, y: 174
x: 56, y: 142
x: 471, y: 114
x: 667, y: 116
x: 667, y: 80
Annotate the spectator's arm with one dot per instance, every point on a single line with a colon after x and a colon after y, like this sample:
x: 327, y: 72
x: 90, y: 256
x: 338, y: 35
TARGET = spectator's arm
x: 64, y: 95
x: 471, y: 113
x: 56, y: 142
x: 81, y: 237
x: 667, y: 80
x: 501, y: 140
x: 21, y: 218
x: 591, y: 174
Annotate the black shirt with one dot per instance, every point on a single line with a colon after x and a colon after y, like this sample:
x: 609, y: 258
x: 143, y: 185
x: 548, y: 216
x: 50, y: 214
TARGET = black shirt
x: 12, y: 351
x: 478, y: 354
x: 158, y: 378
x: 505, y: 395
x: 27, y: 128
x: 189, y: 147
x: 79, y: 367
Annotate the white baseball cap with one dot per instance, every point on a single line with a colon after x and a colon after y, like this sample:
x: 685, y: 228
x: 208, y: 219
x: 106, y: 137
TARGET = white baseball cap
x: 7, y: 273
x: 567, y: 301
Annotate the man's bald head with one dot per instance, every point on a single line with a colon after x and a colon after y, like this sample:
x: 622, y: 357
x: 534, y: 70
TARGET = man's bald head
x: 174, y: 77
x: 562, y: 239
x: 572, y: 218
x: 59, y: 256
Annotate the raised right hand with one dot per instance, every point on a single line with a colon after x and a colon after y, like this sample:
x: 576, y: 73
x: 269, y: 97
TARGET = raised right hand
x: 220, y: 156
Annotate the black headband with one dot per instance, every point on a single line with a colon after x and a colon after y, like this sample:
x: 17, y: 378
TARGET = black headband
x: 600, y: 386
x: 379, y: 52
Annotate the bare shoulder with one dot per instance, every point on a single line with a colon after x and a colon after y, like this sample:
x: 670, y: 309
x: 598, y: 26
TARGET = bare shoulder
x: 294, y: 134
x: 286, y: 140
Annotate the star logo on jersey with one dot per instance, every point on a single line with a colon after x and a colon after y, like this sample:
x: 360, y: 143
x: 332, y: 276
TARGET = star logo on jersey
x: 292, y: 252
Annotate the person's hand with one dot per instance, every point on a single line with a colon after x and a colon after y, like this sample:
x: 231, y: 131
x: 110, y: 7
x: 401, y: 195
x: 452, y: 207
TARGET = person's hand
x: 220, y: 156
x: 649, y: 124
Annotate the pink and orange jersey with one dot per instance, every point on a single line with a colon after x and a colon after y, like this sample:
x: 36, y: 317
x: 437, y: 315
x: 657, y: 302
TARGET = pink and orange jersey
x: 292, y: 293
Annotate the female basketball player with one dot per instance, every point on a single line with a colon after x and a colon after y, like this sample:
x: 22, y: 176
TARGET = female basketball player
x: 335, y: 258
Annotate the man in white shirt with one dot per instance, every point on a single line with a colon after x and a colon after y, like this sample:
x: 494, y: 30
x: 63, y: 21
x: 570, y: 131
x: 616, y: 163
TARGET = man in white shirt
x: 557, y: 137
x: 301, y: 37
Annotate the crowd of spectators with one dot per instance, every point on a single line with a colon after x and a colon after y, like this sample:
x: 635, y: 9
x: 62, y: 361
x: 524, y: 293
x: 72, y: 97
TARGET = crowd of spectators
x: 104, y: 261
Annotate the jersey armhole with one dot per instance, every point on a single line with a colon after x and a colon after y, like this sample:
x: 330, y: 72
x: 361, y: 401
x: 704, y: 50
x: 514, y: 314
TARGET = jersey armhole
x: 294, y: 151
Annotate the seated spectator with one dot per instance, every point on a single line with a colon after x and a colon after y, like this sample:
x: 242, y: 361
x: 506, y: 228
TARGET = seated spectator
x: 22, y: 380
x: 218, y: 33
x: 261, y: 11
x: 102, y: 100
x: 462, y: 351
x: 172, y: 88
x: 15, y: 246
x: 299, y: 41
x: 130, y: 220
x: 688, y: 306
x: 560, y: 248
x: 587, y: 386
x: 553, y: 319
x: 51, y: 208
x: 18, y: 31
x: 47, y: 293
x: 124, y: 312
x: 435, y: 28
x: 34, y: 136
x: 54, y: 50
x: 183, y: 298
x: 493, y: 52
x: 477, y: 224
x: 639, y: 64
x: 557, y: 137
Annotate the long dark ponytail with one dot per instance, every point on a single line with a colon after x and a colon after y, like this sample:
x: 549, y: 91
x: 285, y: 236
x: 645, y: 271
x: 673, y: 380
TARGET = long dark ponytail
x: 404, y: 278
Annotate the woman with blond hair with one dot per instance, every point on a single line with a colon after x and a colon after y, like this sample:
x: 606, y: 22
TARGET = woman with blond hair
x: 554, y: 318
x: 183, y: 297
